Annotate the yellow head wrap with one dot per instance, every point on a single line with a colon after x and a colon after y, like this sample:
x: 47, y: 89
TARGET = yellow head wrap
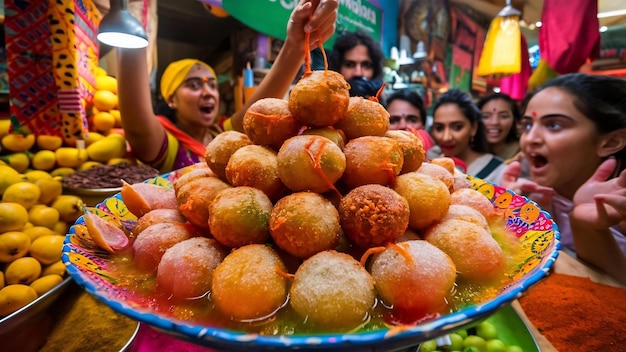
x: 175, y: 74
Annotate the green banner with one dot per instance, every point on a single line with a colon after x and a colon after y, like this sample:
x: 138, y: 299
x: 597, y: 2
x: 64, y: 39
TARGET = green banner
x: 270, y: 16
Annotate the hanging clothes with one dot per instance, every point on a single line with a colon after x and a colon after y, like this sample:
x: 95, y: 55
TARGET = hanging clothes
x: 516, y: 85
x: 569, y: 34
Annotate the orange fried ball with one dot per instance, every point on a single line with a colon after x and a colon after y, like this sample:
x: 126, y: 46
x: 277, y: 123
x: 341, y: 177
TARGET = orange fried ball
x: 412, y: 149
x: 186, y: 268
x: 335, y: 135
x: 304, y: 223
x: 414, y: 277
x: 372, y: 159
x: 428, y: 197
x: 372, y: 215
x: 158, y: 216
x: 477, y: 255
x: 474, y: 199
x: 185, y: 174
x: 320, y: 98
x: 219, y: 150
x: 364, y: 118
x: 333, y: 291
x: 269, y: 122
x: 438, y: 172
x: 256, y: 166
x: 466, y: 213
x: 247, y: 284
x: 195, y: 197
x: 310, y: 163
x: 239, y: 216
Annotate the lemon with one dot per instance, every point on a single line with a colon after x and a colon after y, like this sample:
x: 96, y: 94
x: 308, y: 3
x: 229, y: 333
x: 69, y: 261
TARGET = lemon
x: 70, y: 207
x: 44, y: 160
x: 112, y: 146
x: 17, y: 142
x: 18, y: 161
x: 47, y: 249
x: 104, y: 100
x: 26, y: 226
x: 5, y: 127
x: 117, y: 161
x: 103, y: 121
x: 46, y: 283
x: 106, y: 83
x: 99, y: 71
x: 56, y: 268
x: 93, y: 137
x: 43, y: 215
x: 49, y: 142
x: 88, y: 165
x: 14, y: 297
x: 24, y: 193
x: 22, y: 271
x: 50, y: 189
x: 34, y: 175
x: 8, y: 176
x: 70, y: 156
x: 13, y: 216
x: 38, y: 231
x: 60, y: 228
x: 13, y: 245
x: 117, y: 116
x: 62, y: 171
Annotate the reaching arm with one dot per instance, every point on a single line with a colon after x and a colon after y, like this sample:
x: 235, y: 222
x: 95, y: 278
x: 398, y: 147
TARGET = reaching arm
x: 142, y: 130
x: 317, y: 18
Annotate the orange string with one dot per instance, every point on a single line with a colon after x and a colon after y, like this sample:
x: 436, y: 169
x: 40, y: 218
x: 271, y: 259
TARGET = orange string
x: 369, y: 252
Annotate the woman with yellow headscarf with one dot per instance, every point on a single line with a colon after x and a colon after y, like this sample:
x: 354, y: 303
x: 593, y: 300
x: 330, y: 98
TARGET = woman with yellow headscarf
x: 189, y: 87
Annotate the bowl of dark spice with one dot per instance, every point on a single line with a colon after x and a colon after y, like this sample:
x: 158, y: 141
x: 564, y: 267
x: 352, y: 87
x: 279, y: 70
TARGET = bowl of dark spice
x: 99, y: 182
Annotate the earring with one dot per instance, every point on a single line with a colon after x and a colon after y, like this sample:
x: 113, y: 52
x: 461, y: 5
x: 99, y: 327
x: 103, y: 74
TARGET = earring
x: 472, y: 141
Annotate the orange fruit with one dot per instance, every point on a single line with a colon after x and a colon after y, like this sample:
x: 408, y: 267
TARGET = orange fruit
x: 49, y: 142
x: 104, y: 100
x: 103, y: 121
x: 118, y: 117
x: 106, y: 83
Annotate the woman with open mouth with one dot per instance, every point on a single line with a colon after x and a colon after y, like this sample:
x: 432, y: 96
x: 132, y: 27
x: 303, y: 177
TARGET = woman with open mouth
x: 574, y: 139
x: 459, y: 131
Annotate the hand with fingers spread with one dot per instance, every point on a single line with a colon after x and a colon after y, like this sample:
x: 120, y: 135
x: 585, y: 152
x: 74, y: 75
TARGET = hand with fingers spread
x: 511, y: 180
x: 601, y: 202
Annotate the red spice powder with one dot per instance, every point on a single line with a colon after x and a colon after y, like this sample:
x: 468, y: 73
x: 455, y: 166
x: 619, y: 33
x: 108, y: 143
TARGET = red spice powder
x: 577, y: 314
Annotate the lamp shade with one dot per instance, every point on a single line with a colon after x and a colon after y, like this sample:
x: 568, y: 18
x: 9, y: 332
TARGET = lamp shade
x: 119, y: 28
x: 501, y: 54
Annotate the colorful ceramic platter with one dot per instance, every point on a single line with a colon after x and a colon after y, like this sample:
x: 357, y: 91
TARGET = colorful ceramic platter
x: 538, y: 240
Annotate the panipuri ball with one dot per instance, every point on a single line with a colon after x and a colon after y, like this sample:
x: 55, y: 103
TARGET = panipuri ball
x: 412, y: 149
x: 439, y: 172
x: 157, y: 216
x: 195, y: 197
x: 304, y: 223
x: 466, y: 213
x: 477, y: 255
x: 416, y: 283
x: 186, y: 268
x: 445, y: 162
x: 219, y: 150
x: 256, y: 166
x: 269, y: 122
x: 372, y: 160
x: 247, y: 284
x: 372, y: 215
x: 239, y: 216
x: 154, y: 240
x: 320, y: 98
x: 364, y: 117
x: 188, y: 174
x: 428, y: 198
x: 331, y: 290
x: 335, y: 135
x: 473, y: 199
x: 310, y: 163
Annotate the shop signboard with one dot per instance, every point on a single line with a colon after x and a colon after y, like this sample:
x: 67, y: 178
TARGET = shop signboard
x: 270, y: 16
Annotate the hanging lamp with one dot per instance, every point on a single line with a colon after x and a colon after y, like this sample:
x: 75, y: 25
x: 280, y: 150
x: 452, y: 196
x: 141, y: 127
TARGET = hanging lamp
x: 502, y: 53
x: 119, y: 28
